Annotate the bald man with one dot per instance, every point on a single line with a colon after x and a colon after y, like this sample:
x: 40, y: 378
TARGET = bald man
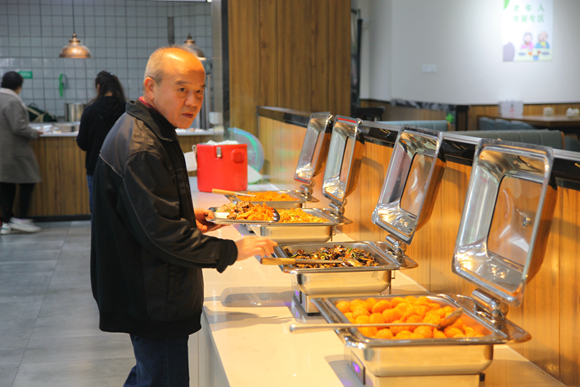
x: 148, y: 244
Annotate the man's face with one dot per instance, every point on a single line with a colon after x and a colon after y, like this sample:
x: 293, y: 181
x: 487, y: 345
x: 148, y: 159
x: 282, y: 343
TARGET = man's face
x: 179, y: 95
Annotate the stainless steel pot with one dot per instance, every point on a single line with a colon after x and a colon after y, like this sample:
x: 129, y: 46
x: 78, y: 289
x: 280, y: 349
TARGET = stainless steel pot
x: 73, y: 111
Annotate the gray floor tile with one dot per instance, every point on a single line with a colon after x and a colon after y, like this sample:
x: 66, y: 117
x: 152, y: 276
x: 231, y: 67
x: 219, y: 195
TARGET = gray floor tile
x: 12, y: 310
x: 12, y: 351
x: 99, y: 373
x: 68, y: 303
x: 13, y: 246
x: 24, y: 284
x: 67, y: 326
x: 17, y: 329
x: 74, y: 260
x: 70, y: 349
x: 28, y: 255
x: 8, y: 374
x: 22, y: 267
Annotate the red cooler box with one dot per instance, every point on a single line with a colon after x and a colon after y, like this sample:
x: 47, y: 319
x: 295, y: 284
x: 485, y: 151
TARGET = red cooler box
x: 222, y: 167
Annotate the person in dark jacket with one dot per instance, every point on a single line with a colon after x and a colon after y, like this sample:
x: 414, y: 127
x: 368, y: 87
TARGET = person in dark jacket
x: 97, y: 119
x: 148, y: 246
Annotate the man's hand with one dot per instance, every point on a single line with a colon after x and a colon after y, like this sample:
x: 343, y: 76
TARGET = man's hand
x: 202, y: 224
x: 251, y: 246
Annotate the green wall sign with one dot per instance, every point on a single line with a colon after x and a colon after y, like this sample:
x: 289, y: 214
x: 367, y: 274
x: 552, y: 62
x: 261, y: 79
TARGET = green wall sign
x: 26, y: 74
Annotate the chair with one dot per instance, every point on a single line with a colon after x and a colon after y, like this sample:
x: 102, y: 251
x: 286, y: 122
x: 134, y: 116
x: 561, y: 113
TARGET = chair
x: 551, y: 138
x: 486, y: 123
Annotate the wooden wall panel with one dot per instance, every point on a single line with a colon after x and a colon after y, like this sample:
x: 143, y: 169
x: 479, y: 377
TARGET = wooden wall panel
x: 550, y: 311
x: 244, y: 59
x: 288, y: 53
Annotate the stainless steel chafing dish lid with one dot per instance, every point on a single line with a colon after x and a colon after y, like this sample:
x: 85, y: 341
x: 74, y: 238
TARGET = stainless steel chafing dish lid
x: 411, y: 183
x: 314, y: 148
x: 343, y: 161
x: 506, y: 219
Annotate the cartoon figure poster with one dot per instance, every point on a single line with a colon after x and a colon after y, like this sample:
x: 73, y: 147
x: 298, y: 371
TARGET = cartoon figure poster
x: 527, y: 30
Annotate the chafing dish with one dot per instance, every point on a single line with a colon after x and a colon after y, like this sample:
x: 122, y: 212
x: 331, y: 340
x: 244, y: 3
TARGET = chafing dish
x: 310, y: 162
x: 413, y: 177
x: 347, y: 280
x: 340, y: 176
x: 500, y: 246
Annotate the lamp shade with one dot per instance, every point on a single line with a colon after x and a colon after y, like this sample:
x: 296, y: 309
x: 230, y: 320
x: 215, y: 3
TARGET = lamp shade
x: 74, y: 49
x: 191, y: 44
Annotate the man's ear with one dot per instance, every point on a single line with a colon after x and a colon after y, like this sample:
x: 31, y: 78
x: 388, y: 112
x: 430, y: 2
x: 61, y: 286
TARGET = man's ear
x: 149, y: 87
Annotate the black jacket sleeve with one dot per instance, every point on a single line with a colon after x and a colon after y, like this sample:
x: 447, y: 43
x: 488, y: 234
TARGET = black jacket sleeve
x: 84, y: 129
x: 151, y: 201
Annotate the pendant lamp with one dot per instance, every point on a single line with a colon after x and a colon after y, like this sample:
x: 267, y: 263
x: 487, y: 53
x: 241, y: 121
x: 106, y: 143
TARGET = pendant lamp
x: 191, y: 44
x: 74, y: 48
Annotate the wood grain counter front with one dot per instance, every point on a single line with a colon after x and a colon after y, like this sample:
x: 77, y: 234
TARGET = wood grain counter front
x: 63, y: 192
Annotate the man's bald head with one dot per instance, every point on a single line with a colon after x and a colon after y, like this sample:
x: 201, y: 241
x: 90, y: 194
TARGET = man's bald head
x: 160, y: 57
x: 174, y: 84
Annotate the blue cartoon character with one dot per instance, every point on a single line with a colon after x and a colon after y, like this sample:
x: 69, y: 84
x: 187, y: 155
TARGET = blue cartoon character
x: 543, y: 40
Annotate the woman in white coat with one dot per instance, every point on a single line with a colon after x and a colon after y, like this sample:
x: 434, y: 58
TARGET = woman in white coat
x: 18, y: 164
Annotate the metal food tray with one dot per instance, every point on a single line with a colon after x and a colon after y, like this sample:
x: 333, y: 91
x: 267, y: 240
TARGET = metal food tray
x: 343, y: 280
x: 299, y: 201
x: 300, y: 232
x: 415, y: 357
x: 223, y: 221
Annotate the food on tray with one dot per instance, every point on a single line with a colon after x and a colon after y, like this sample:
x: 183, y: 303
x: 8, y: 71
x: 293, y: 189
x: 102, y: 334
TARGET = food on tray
x: 402, y: 310
x: 297, y: 215
x: 350, y: 256
x: 229, y: 207
x: 250, y: 211
x: 267, y: 196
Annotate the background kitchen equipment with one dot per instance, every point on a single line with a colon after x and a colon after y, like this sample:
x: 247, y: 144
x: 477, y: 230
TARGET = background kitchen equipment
x: 73, y: 111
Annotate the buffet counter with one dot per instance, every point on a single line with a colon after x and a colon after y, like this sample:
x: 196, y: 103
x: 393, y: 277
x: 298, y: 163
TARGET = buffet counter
x: 245, y: 339
x: 63, y: 192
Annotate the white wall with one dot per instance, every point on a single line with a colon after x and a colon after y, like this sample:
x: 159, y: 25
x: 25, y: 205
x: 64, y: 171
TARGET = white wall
x: 463, y: 38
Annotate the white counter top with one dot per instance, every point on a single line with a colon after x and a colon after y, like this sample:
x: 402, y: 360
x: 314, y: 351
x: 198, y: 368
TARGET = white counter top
x: 180, y: 132
x: 249, y: 308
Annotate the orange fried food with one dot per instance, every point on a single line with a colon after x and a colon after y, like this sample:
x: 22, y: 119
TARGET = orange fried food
x: 267, y: 196
x: 437, y: 334
x: 396, y: 301
x: 381, y: 305
x: 399, y: 328
x: 384, y: 333
x: 376, y: 318
x: 404, y: 334
x: 368, y: 331
x: 354, y: 304
x: 370, y: 303
x: 297, y: 215
x: 360, y: 312
x: 256, y: 212
x: 343, y: 306
x: 410, y: 299
x: 425, y: 331
x: 348, y: 315
x: 391, y: 315
x: 404, y: 307
x: 452, y: 332
x: 362, y: 320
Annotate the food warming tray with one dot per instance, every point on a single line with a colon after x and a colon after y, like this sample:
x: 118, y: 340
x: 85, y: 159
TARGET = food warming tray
x: 310, y: 162
x: 500, y: 246
x: 299, y: 198
x: 342, y: 166
x: 352, y: 280
x: 309, y: 283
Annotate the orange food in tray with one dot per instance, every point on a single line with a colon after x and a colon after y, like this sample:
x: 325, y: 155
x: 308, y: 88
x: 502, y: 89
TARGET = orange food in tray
x: 268, y: 196
x: 250, y: 211
x: 402, y: 310
x: 296, y: 215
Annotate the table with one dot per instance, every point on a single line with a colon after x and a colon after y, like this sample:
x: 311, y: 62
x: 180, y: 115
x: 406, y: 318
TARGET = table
x: 557, y: 122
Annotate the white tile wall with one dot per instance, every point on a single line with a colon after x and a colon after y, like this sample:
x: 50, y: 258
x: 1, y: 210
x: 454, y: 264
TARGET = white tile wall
x: 121, y: 35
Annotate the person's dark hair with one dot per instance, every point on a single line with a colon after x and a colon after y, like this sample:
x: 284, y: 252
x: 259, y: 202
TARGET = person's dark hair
x: 105, y: 83
x: 12, y: 80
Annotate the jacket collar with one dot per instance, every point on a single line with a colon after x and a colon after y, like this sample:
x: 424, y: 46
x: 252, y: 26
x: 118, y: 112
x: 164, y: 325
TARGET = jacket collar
x: 153, y: 119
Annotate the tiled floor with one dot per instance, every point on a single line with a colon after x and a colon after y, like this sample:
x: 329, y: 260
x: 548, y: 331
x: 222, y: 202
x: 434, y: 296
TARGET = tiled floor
x: 49, y: 332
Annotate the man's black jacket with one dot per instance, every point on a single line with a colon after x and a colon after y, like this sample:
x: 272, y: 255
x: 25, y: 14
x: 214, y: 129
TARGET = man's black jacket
x: 146, y: 250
